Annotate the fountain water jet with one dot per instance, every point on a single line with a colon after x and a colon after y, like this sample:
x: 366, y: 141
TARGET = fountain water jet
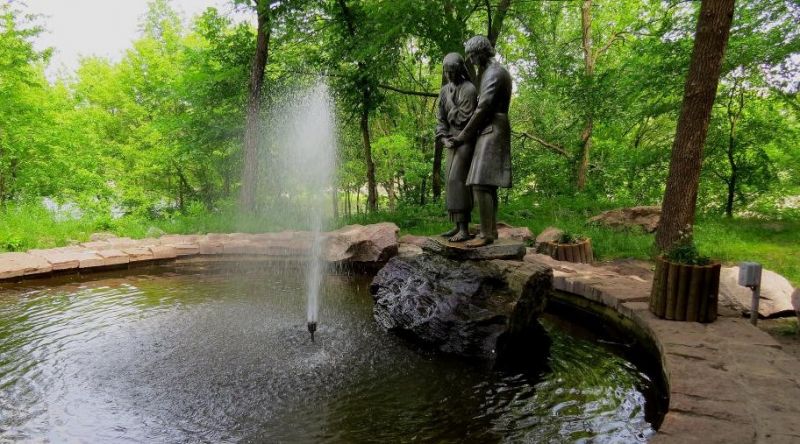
x: 297, y: 161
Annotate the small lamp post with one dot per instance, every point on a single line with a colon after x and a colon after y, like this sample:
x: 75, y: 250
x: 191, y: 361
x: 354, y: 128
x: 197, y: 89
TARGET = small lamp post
x: 750, y: 277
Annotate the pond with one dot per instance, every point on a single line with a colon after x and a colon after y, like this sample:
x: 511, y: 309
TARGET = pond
x: 219, y: 352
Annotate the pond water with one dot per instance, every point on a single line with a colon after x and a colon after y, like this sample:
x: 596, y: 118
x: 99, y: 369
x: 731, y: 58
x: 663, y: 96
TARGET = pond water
x: 217, y: 352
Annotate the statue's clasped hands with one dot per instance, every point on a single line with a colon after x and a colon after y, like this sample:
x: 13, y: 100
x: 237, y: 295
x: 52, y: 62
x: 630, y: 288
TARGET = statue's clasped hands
x: 452, y: 143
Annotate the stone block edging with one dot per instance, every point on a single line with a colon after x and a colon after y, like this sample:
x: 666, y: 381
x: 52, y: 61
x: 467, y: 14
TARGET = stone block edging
x: 728, y: 381
x: 353, y: 244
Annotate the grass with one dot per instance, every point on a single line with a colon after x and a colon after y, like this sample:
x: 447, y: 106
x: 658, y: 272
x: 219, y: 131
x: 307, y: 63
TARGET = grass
x: 785, y: 327
x: 773, y: 243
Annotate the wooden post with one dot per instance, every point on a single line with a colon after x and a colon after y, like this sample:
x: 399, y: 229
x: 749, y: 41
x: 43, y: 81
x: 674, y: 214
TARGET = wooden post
x: 713, y: 297
x: 684, y: 278
x: 657, y: 295
x: 695, y: 290
x: 672, y: 290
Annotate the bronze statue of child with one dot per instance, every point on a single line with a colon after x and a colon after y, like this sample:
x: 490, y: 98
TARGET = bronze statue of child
x: 457, y: 101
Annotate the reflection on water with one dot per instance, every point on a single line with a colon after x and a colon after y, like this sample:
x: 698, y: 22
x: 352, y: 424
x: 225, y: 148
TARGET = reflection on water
x: 220, y: 354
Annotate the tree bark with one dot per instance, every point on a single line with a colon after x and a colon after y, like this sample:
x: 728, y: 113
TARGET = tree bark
x: 680, y: 197
x: 372, y: 189
x: 335, y: 202
x: 588, y: 61
x: 423, y: 190
x: 496, y: 20
x: 733, y: 120
x: 391, y: 194
x: 358, y: 200
x: 436, y: 178
x: 251, y: 136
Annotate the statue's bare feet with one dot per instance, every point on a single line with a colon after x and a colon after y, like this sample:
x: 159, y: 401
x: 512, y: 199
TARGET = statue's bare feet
x: 461, y: 236
x: 450, y: 232
x: 482, y: 242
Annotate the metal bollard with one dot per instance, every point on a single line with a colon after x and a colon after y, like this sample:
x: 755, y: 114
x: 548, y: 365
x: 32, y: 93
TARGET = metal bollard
x: 750, y: 277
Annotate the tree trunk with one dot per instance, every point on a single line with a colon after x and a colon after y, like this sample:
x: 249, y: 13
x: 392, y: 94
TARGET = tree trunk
x: 733, y: 119
x: 335, y: 202
x: 391, y: 194
x: 588, y: 61
x: 436, y: 178
x: 372, y: 189
x: 358, y: 200
x: 347, y: 204
x: 680, y: 197
x: 423, y: 190
x: 251, y: 135
x: 496, y: 20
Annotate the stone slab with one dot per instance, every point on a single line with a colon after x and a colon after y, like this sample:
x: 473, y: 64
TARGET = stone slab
x: 185, y: 249
x: 122, y: 242
x: 139, y: 254
x: 61, y: 258
x: 163, y: 252
x: 500, y: 249
x: 210, y: 247
x: 96, y: 245
x: 14, y: 265
x: 112, y: 257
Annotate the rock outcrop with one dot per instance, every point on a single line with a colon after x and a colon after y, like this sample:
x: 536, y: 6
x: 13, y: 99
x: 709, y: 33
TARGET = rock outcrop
x: 776, y: 293
x: 484, y: 309
x: 520, y: 234
x: 645, y: 217
x: 375, y: 243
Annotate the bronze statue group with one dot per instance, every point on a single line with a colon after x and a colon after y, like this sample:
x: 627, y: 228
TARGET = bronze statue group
x: 473, y: 125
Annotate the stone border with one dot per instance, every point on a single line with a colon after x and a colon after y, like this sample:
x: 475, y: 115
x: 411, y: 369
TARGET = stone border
x: 358, y: 245
x: 728, y: 382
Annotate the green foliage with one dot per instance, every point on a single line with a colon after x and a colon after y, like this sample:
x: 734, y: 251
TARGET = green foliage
x: 157, y: 136
x: 570, y: 238
x: 685, y: 252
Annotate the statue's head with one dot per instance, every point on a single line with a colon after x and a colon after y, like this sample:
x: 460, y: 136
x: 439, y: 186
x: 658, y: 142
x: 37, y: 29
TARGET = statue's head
x: 479, y: 50
x: 454, y: 68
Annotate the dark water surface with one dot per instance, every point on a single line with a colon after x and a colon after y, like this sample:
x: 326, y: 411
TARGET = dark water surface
x: 212, y: 352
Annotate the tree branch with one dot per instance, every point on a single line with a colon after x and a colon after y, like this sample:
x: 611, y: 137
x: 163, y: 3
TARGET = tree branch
x: 551, y: 146
x: 408, y: 92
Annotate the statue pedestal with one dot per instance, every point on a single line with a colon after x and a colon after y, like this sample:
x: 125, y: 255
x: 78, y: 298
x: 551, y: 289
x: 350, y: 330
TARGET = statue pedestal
x: 500, y: 249
x: 486, y: 310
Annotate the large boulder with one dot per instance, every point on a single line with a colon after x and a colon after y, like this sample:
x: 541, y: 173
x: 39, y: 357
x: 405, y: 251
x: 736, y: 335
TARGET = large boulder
x: 549, y: 234
x: 521, y: 234
x: 478, y: 309
x: 776, y: 293
x: 645, y: 217
x: 375, y: 243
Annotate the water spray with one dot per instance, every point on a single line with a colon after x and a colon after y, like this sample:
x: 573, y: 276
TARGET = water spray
x: 312, y: 327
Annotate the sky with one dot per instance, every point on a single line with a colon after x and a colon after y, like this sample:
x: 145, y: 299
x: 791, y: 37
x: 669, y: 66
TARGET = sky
x: 76, y: 28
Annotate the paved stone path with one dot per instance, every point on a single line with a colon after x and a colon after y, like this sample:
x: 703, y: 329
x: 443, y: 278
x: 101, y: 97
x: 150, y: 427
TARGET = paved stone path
x: 729, y: 382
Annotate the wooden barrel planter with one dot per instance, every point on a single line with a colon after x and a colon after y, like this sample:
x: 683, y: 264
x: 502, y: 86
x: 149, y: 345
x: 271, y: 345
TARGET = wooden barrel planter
x: 685, y: 292
x: 580, y: 252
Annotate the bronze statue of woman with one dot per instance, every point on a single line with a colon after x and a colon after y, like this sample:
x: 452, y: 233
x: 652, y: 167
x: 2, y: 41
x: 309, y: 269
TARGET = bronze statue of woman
x: 457, y: 101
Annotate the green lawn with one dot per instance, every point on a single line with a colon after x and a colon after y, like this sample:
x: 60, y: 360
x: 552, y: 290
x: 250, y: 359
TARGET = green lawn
x: 776, y: 244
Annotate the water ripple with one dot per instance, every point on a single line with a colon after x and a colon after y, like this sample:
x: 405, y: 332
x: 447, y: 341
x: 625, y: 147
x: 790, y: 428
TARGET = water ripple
x: 222, y: 355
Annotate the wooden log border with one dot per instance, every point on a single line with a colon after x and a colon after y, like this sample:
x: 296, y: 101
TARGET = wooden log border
x: 579, y: 253
x: 685, y: 292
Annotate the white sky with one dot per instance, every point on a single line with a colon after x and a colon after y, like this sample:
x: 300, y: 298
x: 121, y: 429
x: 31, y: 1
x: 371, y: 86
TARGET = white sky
x: 76, y: 28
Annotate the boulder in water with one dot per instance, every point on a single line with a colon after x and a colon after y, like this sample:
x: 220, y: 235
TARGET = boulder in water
x: 478, y: 309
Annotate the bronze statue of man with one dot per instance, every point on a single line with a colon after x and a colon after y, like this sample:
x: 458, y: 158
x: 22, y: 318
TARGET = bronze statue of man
x: 490, y: 130
x: 457, y: 101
